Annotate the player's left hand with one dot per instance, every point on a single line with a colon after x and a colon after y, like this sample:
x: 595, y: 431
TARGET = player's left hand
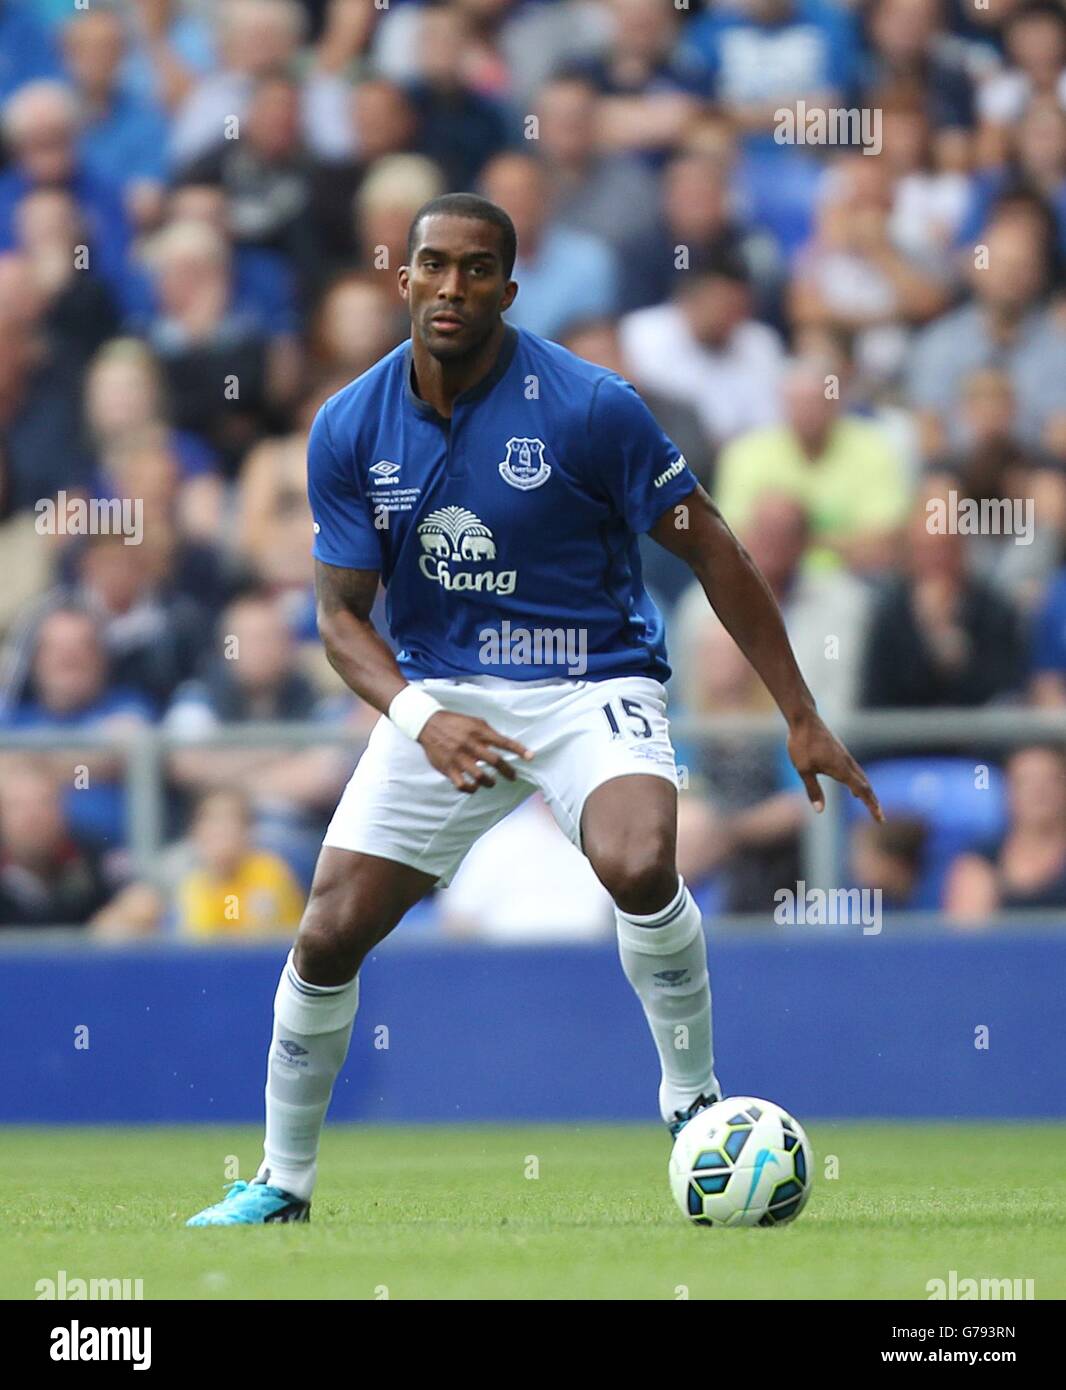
x: 815, y: 750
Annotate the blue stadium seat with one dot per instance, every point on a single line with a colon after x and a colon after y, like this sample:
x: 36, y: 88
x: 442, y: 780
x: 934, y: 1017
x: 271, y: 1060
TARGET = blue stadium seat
x: 942, y: 792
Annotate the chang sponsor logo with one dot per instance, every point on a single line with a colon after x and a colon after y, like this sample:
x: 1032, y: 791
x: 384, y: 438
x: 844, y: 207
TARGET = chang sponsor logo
x: 453, y: 538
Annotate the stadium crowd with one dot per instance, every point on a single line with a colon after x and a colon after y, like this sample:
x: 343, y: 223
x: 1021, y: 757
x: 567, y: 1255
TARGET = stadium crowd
x: 858, y: 344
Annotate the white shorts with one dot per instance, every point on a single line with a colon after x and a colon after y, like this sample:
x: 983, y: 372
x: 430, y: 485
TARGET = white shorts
x: 581, y: 734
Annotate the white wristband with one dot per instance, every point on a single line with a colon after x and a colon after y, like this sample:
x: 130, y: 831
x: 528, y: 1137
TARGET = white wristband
x: 410, y: 710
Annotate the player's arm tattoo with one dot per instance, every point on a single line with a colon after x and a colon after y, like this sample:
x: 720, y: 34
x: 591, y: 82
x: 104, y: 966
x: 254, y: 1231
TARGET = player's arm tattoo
x: 466, y: 750
x: 340, y: 590
x: 356, y: 651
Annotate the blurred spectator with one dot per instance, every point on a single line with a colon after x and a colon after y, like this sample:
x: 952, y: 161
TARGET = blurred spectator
x: 765, y: 53
x: 387, y: 200
x: 826, y: 612
x: 704, y: 348
x: 224, y: 375
x: 271, y: 521
x: 485, y: 64
x: 123, y: 137
x: 1035, y: 41
x: 530, y: 40
x: 887, y: 856
x: 264, y: 285
x: 994, y: 469
x: 234, y: 889
x: 256, y: 676
x: 525, y: 882
x: 47, y: 879
x: 597, y: 340
x: 1005, y: 325
x: 171, y: 49
x: 911, y: 51
x: 253, y: 679
x: 611, y: 195
x: 1049, y: 646
x: 355, y: 324
x: 653, y: 85
x: 256, y: 39
x: 125, y: 397
x: 1036, y: 168
x: 929, y: 202
x: 40, y: 432
x: 71, y: 693
x: 27, y: 555
x: 78, y: 311
x: 1027, y: 867
x: 154, y: 638
x: 456, y: 126
x: 183, y: 519
x: 740, y: 820
x: 853, y: 277
x: 40, y: 124
x: 385, y: 122
x: 27, y: 50
x: 564, y: 274
x: 266, y: 177
x: 698, y: 216
x: 938, y: 635
x: 840, y: 467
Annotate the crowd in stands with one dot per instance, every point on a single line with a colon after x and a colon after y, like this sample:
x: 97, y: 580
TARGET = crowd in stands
x: 857, y: 345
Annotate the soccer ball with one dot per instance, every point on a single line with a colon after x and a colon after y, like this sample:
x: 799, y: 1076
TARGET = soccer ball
x: 741, y: 1162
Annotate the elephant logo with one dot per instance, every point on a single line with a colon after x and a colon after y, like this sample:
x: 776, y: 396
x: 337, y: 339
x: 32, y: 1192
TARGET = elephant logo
x: 455, y: 533
x: 473, y: 547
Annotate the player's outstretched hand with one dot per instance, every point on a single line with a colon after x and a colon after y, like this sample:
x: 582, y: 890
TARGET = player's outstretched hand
x: 468, y: 750
x: 813, y: 750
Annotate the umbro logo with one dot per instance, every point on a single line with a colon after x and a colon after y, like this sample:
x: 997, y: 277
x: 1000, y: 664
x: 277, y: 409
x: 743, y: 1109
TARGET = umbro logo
x: 678, y: 466
x: 385, y: 471
x: 293, y: 1049
x: 671, y: 977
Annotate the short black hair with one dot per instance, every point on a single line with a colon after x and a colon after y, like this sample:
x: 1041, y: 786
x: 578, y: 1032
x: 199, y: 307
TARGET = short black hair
x: 721, y: 259
x: 477, y: 209
x: 1036, y: 9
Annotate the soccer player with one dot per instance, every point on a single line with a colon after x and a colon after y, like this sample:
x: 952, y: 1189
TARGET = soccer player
x: 497, y: 484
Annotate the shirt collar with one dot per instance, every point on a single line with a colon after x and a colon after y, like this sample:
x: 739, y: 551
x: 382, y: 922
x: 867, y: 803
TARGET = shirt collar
x: 476, y: 392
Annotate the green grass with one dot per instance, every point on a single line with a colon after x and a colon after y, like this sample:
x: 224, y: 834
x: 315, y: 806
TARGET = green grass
x: 450, y: 1213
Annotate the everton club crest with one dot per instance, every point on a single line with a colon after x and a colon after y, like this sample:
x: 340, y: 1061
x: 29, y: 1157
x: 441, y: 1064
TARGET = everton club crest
x: 525, y: 465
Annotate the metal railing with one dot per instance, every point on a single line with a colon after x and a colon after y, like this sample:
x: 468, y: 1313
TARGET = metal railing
x: 988, y: 732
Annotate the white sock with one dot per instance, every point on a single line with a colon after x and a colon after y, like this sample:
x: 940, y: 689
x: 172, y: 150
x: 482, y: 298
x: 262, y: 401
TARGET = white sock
x: 312, y: 1030
x: 664, y: 957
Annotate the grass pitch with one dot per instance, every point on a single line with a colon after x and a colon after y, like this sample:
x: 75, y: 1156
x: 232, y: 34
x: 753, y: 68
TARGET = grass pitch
x: 533, y: 1212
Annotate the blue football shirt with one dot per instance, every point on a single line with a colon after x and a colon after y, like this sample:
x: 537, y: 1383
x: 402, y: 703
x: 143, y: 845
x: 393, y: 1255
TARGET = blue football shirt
x: 506, y: 536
